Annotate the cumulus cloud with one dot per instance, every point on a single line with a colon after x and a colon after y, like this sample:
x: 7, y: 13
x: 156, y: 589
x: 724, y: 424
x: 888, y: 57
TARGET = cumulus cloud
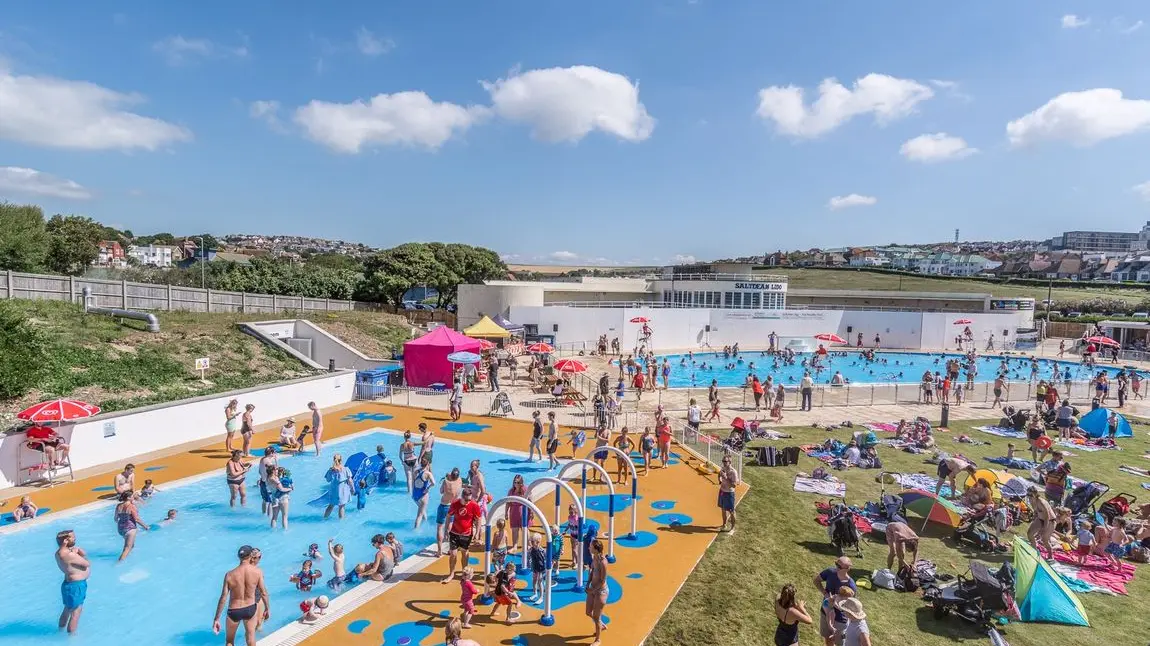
x: 27, y: 181
x: 369, y: 44
x: 1143, y: 189
x: 58, y: 113
x: 404, y: 118
x: 1071, y: 21
x: 268, y: 112
x: 935, y: 148
x: 886, y: 97
x: 567, y: 103
x: 852, y: 200
x: 1081, y: 118
x: 178, y: 50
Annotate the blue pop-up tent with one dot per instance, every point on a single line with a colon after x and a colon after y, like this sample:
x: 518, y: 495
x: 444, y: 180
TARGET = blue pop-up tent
x: 1095, y: 424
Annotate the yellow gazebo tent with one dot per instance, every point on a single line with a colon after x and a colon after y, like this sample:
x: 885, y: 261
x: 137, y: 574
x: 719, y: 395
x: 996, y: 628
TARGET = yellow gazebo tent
x: 486, y: 329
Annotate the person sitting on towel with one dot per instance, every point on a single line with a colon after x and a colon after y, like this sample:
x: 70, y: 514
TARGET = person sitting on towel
x: 977, y: 496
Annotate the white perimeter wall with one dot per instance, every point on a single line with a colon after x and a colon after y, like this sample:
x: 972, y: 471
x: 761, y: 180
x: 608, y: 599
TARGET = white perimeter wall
x: 686, y: 328
x: 166, y: 425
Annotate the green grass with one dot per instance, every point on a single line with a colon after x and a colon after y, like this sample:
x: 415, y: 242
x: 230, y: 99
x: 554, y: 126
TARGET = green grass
x: 119, y: 366
x: 729, y: 598
x: 846, y: 279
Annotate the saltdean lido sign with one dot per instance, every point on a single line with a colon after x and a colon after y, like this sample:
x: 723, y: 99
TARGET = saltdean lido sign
x: 762, y: 287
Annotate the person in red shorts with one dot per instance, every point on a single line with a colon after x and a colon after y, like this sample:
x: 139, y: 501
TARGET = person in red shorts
x: 48, y: 441
x: 461, y: 517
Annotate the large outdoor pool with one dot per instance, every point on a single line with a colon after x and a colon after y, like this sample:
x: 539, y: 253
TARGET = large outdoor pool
x: 166, y: 591
x: 890, y: 367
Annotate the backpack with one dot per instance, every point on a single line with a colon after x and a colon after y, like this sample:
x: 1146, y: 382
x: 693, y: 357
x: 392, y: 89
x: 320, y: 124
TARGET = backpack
x: 906, y: 579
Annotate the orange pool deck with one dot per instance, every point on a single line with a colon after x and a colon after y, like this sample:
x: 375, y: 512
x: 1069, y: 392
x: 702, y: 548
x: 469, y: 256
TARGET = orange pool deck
x: 414, y: 611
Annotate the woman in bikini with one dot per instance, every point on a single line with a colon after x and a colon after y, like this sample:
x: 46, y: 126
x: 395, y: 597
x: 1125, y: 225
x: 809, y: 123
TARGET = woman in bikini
x: 407, y: 457
x: 597, y: 591
x: 421, y: 489
x: 625, y: 444
x: 127, y: 522
x: 231, y: 422
x: 234, y: 472
x: 247, y: 429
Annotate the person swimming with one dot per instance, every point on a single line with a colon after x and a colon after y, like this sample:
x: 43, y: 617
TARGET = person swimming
x: 306, y: 577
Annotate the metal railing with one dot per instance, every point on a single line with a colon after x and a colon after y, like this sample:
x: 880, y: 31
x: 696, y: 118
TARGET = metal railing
x: 744, y: 278
x: 705, y: 447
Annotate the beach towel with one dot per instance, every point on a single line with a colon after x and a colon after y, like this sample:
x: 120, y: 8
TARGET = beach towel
x: 1002, y: 432
x: 919, y: 481
x: 1083, y: 447
x: 1135, y: 471
x: 1098, y: 571
x: 1146, y: 485
x: 861, y: 522
x: 1014, y: 463
x: 1069, y: 576
x: 886, y: 427
x: 804, y: 484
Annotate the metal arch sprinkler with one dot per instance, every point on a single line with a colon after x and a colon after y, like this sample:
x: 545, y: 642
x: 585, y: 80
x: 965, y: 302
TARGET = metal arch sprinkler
x: 547, y: 619
x: 634, y: 489
x: 577, y: 558
x: 611, y: 497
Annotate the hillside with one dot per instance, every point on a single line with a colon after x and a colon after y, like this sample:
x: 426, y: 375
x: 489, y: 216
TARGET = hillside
x: 98, y: 360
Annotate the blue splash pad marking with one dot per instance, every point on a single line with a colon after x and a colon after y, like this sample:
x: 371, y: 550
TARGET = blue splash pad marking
x: 407, y: 634
x: 563, y: 595
x: 642, y: 539
x: 358, y: 626
x: 103, y: 488
x: 672, y: 519
x: 518, y: 640
x: 601, y: 502
x: 634, y: 575
x: 464, y: 427
x: 366, y: 417
x: 605, y: 619
x: 158, y: 467
x: 663, y: 504
x: 637, y: 458
x: 444, y: 613
x: 513, y: 465
x: 471, y: 560
x: 8, y: 519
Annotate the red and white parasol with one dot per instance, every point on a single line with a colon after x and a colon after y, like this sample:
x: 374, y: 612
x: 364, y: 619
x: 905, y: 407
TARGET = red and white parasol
x: 484, y: 344
x: 963, y: 322
x: 1103, y: 340
x: 830, y: 338
x: 540, y: 348
x: 570, y: 365
x: 640, y: 319
x: 58, y: 410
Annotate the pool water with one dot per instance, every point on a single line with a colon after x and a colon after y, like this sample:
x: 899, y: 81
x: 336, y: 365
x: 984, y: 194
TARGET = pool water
x: 166, y: 590
x: 890, y: 367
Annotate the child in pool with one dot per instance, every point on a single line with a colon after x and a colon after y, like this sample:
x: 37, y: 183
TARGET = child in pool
x: 313, y: 609
x: 306, y: 577
x: 396, y: 546
x: 361, y: 492
x: 26, y: 510
x: 387, y: 474
x: 335, y: 551
x: 170, y: 518
x: 149, y: 489
x: 313, y: 552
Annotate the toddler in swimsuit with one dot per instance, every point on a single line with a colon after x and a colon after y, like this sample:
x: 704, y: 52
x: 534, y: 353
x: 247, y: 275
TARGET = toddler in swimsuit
x: 306, y: 577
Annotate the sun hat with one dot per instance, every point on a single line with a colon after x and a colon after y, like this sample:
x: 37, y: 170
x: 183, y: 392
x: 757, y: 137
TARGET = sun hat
x: 852, y: 608
x: 321, y: 601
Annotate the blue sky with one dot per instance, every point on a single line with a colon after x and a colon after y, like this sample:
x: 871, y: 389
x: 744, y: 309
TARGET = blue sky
x: 601, y: 131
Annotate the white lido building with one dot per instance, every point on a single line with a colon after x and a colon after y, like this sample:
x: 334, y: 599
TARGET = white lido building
x: 692, y: 306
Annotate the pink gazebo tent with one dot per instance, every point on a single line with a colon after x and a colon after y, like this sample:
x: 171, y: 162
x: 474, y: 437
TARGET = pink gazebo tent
x: 425, y: 359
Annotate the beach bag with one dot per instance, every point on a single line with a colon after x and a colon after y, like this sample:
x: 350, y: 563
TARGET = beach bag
x: 1139, y: 554
x: 1002, y: 519
x: 767, y: 457
x: 883, y: 578
x: 906, y: 579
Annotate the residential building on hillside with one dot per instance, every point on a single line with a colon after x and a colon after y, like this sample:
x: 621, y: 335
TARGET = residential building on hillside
x: 867, y: 258
x: 949, y: 264
x: 110, y: 254
x: 1101, y: 241
x: 153, y: 255
x: 1132, y: 269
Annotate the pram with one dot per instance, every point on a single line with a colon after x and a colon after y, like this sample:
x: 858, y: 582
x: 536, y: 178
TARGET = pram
x: 976, y: 598
x: 1117, y: 506
x: 890, y: 507
x: 976, y: 530
x: 841, y: 529
x: 1082, y: 499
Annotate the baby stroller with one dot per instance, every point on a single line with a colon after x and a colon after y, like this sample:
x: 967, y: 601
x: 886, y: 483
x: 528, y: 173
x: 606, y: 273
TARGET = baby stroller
x: 1082, y: 499
x: 977, y: 598
x: 1117, y: 506
x: 976, y: 531
x: 841, y: 529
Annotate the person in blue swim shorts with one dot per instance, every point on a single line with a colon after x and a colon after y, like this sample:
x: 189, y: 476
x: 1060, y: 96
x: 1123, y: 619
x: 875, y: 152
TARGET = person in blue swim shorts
x: 73, y: 562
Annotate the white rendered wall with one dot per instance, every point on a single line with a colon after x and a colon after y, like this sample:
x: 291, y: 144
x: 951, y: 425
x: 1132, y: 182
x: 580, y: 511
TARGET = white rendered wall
x: 163, y: 426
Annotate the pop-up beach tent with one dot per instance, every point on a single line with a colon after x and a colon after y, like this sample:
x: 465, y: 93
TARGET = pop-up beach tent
x: 506, y: 324
x: 425, y: 359
x: 1095, y: 424
x: 486, y: 329
x: 1040, y: 593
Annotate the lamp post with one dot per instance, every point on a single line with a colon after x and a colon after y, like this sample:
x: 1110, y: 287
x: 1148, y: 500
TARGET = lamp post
x: 203, y: 264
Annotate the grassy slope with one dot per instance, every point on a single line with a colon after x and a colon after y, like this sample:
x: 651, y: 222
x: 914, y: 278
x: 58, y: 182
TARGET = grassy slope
x: 728, y: 599
x: 842, y: 279
x: 121, y: 366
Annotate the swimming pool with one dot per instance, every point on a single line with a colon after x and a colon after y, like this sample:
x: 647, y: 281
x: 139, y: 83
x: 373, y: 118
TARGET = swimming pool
x: 890, y: 367
x: 166, y: 590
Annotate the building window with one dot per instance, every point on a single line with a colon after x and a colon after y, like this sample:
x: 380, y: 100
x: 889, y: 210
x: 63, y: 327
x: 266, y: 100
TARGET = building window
x: 756, y: 300
x: 728, y: 300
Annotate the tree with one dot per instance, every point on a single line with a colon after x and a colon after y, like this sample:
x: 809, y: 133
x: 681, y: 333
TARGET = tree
x: 23, y: 238
x: 209, y: 241
x: 73, y: 243
x: 334, y: 261
x: 391, y: 272
x: 159, y: 238
x: 24, y: 354
x: 462, y: 264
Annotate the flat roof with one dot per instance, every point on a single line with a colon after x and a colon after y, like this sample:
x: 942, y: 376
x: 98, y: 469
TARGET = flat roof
x: 860, y: 293
x: 1129, y: 325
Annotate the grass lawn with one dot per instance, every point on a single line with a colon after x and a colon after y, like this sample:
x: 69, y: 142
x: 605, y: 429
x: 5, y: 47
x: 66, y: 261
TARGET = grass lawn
x: 844, y: 279
x: 729, y: 598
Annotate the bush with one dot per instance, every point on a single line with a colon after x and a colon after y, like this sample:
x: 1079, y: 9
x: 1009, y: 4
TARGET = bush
x: 24, y: 354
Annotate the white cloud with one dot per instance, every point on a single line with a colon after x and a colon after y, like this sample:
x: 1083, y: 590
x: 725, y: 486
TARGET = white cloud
x: 951, y: 88
x: 27, y: 181
x: 178, y: 50
x: 404, y: 118
x: 268, y: 112
x: 58, y: 113
x: 886, y: 97
x: 567, y: 103
x: 1143, y: 189
x: 1132, y: 28
x: 1082, y: 118
x: 369, y: 45
x: 1071, y: 21
x: 564, y: 256
x: 848, y: 201
x: 935, y: 148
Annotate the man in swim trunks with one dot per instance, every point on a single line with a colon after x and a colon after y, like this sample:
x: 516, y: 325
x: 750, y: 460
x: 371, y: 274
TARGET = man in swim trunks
x: 462, y: 517
x: 728, y: 480
x: 243, y: 587
x: 448, y: 492
x: 948, y: 470
x: 73, y: 562
x: 316, y: 427
x: 125, y: 480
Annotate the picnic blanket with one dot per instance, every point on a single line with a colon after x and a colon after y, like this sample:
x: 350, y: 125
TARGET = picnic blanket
x: 917, y: 481
x: 1089, y: 448
x: 807, y: 484
x: 1069, y: 576
x: 1135, y: 471
x: 1099, y: 571
x: 1014, y: 463
x: 885, y: 427
x: 1002, y: 432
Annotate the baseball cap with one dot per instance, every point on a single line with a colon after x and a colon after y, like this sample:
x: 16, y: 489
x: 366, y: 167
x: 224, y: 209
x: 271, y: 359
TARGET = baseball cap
x: 245, y: 551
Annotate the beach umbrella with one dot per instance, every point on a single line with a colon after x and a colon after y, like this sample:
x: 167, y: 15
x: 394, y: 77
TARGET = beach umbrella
x: 963, y: 322
x: 1102, y: 340
x: 830, y: 338
x: 484, y: 344
x: 58, y: 410
x: 464, y: 357
x: 931, y: 507
x: 570, y: 365
x: 540, y: 348
x: 640, y: 319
